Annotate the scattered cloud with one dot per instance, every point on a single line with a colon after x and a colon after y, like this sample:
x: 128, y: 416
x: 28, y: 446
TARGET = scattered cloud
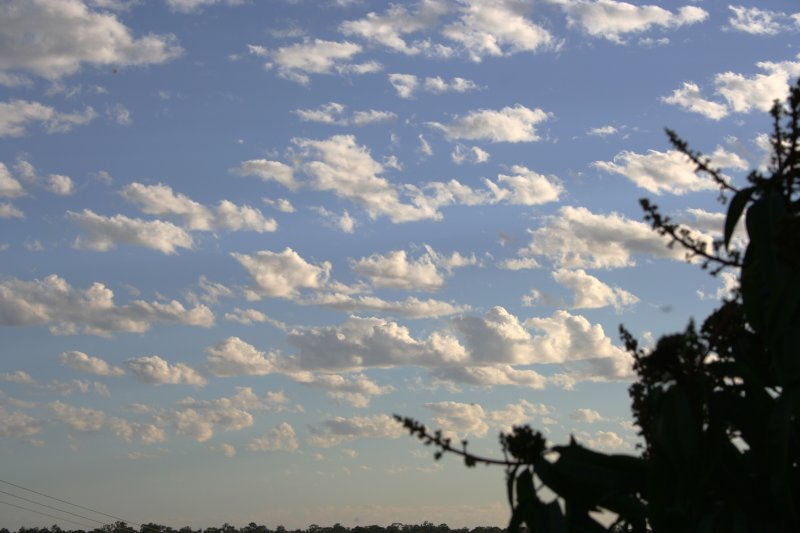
x: 156, y: 371
x: 281, y: 438
x: 66, y: 310
x: 335, y: 114
x: 614, y: 20
x: 334, y: 431
x: 591, y: 293
x: 90, y: 365
x: 53, y: 38
x: 106, y: 233
x: 297, y: 62
x: 407, y: 84
x: 509, y: 124
x: 757, y: 21
x: 16, y: 116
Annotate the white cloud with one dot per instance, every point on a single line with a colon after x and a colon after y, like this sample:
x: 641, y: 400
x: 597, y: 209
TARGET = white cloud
x: 758, y: 21
x: 156, y: 371
x: 83, y: 419
x: 297, y: 61
x: 356, y: 390
x: 410, y: 307
x: 602, y: 440
x: 490, y: 376
x: 578, y: 238
x: 193, y: 6
x: 17, y: 115
x: 338, y: 164
x: 9, y: 187
x: 281, y: 204
x: 281, y: 275
x: 465, y: 419
x: 14, y: 80
x: 18, y: 376
x: 268, y: 170
x: 520, y: 263
x: 404, y: 84
x: 17, y: 424
x: 52, y: 38
x: 527, y: 187
x: 199, y: 419
x: 7, y: 210
x: 424, y: 146
x: 497, y: 28
x: 690, y: 98
x: 60, y: 184
x: 730, y: 283
x: 339, y: 429
x: 591, y: 293
x: 670, y: 171
x: 585, y: 415
x: 388, y: 29
x: 335, y: 114
x: 161, y: 200
x: 510, y: 124
x: 281, y: 438
x: 105, y: 233
x: 90, y: 365
x: 67, y: 310
x: 474, y: 155
x: 394, y: 270
x: 612, y: 20
x: 603, y: 131
x: 252, y: 316
x: 235, y: 357
x: 459, y: 85
x: 120, y: 114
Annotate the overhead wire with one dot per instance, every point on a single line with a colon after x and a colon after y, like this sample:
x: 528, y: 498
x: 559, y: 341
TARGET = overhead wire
x: 46, y: 514
x: 67, y: 502
x: 51, y: 507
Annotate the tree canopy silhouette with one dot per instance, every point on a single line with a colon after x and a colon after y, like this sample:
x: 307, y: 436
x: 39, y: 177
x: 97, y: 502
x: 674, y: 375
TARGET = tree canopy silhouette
x: 717, y: 407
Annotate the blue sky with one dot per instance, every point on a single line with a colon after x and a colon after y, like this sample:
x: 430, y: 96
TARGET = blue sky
x: 236, y: 236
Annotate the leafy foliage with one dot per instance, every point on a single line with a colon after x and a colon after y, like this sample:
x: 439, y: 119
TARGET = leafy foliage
x: 717, y: 407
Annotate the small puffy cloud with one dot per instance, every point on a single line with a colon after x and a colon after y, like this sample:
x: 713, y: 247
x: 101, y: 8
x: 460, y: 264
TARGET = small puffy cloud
x: 53, y: 38
x: 335, y: 114
x: 193, y: 6
x: 298, y: 61
x: 585, y: 415
x: 17, y: 424
x: 591, y: 293
x: 7, y: 210
x: 18, y: 376
x: 394, y: 270
x: 758, y: 21
x: 490, y: 376
x: 509, y: 124
x: 520, y: 263
x: 339, y: 429
x: 156, y: 371
x: 281, y: 438
x: 235, y: 357
x: 602, y: 131
x: 356, y: 390
x: 90, y: 365
x: 268, y: 171
x: 578, y: 238
x: 404, y: 84
x: 66, y: 310
x: 9, y: 187
x: 690, y: 98
x: 741, y: 93
x: 602, y: 440
x: 120, y: 114
x: 612, y: 20
x: 465, y: 419
x: 475, y: 155
x: 281, y: 204
x: 410, y: 307
x: 60, y: 184
x: 17, y: 115
x: 282, y: 274
x: 83, y: 419
x: 389, y: 28
x: 730, y: 283
x: 527, y: 187
x: 670, y: 171
x: 199, y: 419
x: 106, y: 233
x: 161, y: 200
x: 497, y: 28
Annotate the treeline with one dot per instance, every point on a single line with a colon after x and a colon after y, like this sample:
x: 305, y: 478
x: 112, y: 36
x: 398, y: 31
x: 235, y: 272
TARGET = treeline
x: 122, y: 527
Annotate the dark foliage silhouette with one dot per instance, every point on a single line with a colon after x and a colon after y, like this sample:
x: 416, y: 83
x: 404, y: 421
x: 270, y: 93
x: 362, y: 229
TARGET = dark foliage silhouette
x: 716, y: 406
x: 252, y: 527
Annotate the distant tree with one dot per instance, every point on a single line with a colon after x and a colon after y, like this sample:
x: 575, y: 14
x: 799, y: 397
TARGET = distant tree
x: 717, y: 407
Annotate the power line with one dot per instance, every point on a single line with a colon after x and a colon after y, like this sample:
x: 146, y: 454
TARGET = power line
x: 51, y: 507
x: 68, y: 503
x: 46, y: 514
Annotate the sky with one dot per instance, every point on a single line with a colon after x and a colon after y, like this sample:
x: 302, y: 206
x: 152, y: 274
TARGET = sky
x: 236, y: 236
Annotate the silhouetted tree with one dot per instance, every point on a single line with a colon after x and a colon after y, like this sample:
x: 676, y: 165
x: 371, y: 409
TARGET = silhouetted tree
x: 717, y: 407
